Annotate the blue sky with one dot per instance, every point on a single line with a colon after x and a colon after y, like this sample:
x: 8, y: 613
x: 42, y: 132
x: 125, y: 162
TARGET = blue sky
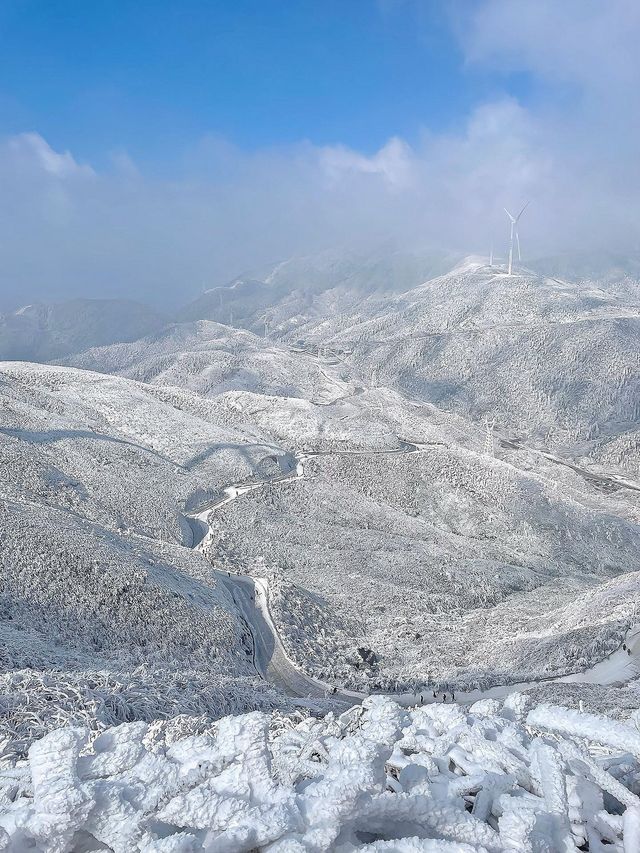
x: 150, y: 77
x: 149, y: 149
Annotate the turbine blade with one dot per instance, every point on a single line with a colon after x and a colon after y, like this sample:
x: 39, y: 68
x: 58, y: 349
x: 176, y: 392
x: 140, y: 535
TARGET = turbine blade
x: 522, y: 211
x: 509, y: 215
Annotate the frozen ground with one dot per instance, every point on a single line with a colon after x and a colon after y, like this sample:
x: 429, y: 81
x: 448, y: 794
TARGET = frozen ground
x: 492, y: 778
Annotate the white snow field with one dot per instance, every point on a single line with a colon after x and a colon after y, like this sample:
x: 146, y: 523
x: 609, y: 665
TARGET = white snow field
x: 438, y: 779
x: 235, y: 558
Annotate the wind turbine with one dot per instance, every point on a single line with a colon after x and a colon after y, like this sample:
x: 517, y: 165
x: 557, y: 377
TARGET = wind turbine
x: 514, y: 230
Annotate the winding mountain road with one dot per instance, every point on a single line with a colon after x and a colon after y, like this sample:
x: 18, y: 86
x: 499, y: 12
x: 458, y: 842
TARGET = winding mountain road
x: 251, y: 595
x: 271, y: 662
x: 607, y: 480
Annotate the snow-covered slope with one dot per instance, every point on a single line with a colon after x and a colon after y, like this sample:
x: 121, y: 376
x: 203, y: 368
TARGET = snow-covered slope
x: 45, y: 332
x: 97, y: 473
x: 547, y: 358
x: 115, y: 451
x: 466, y: 570
x: 299, y: 290
x: 211, y: 358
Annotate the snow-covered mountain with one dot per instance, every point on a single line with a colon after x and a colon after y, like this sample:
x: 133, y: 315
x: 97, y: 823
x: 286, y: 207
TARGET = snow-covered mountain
x: 473, y: 340
x: 482, y: 344
x: 400, y: 474
x: 45, y: 332
x: 544, y: 357
x: 464, y: 567
x: 212, y: 358
x: 99, y: 475
x: 287, y: 295
x: 101, y: 592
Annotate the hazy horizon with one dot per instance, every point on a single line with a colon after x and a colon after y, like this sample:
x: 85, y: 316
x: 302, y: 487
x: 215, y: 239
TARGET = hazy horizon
x: 289, y: 132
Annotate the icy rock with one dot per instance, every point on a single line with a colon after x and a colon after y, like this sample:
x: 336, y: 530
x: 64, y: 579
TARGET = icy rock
x: 485, y: 708
x: 413, y: 775
x: 181, y: 842
x: 383, y: 719
x: 61, y: 806
x: 195, y: 753
x: 114, y: 820
x: 152, y: 781
x: 115, y: 751
x: 515, y: 706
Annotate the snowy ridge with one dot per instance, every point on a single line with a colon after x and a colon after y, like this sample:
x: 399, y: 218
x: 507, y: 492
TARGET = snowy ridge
x: 214, y: 359
x: 478, y: 342
x: 378, y: 777
x: 43, y: 332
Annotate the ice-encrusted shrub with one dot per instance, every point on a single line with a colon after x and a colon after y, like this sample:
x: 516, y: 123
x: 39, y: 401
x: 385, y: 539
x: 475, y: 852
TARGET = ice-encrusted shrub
x: 33, y: 703
x: 484, y: 779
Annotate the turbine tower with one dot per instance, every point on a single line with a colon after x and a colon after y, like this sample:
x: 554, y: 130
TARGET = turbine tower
x: 489, y: 441
x: 514, y: 230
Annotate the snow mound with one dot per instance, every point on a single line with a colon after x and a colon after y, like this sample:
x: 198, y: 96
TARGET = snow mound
x: 376, y: 778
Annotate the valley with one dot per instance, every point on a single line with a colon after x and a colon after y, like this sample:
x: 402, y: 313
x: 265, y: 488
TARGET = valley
x: 404, y: 501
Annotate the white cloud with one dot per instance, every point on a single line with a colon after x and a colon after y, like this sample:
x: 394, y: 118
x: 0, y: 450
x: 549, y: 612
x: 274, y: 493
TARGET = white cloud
x: 30, y: 149
x: 68, y: 229
x: 592, y: 43
x: 393, y: 162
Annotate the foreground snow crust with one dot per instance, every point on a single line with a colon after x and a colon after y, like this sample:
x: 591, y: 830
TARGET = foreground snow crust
x: 377, y: 778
